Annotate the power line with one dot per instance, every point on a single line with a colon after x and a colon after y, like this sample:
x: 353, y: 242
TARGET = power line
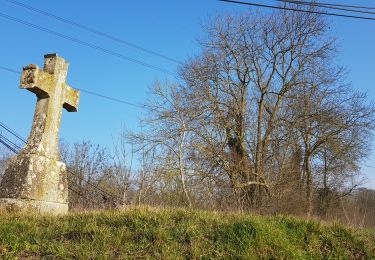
x: 317, y: 4
x: 8, y: 146
x: 9, y: 130
x: 298, y: 10
x: 9, y: 142
x: 94, y: 31
x: 330, y: 4
x: 12, y: 132
x: 81, y: 195
x: 103, y: 192
x: 110, y: 98
x: 10, y: 70
x: 86, y: 44
x: 86, y: 91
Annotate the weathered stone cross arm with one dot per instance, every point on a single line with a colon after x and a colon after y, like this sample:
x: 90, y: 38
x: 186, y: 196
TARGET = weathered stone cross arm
x: 44, y: 82
x: 71, y: 99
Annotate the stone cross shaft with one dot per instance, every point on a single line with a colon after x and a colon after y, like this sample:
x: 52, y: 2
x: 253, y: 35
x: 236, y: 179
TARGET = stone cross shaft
x: 53, y: 94
x: 35, y: 179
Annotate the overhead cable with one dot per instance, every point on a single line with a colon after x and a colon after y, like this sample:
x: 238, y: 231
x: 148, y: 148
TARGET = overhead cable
x: 86, y: 44
x: 331, y: 4
x: 9, y: 142
x: 298, y: 10
x: 12, y: 132
x: 3, y: 142
x: 92, y: 30
x: 317, y: 4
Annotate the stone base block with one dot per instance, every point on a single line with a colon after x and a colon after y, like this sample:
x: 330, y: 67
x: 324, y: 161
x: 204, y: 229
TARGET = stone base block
x: 27, y: 205
x: 35, y: 177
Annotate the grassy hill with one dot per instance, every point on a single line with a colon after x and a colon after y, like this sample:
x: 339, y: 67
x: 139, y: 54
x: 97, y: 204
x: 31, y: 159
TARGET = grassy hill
x: 177, y: 233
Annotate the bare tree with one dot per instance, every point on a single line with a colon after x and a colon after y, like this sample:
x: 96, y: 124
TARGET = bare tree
x: 334, y: 126
x: 166, y: 132
x: 89, y: 168
x: 248, y: 66
x: 123, y: 176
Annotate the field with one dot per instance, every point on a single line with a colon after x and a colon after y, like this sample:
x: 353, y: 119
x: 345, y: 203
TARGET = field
x: 178, y: 233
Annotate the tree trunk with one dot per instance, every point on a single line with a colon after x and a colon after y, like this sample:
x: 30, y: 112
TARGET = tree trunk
x: 182, y: 166
x: 307, y: 169
x: 258, y: 155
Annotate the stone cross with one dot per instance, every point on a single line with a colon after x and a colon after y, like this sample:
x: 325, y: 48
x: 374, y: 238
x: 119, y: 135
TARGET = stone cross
x: 53, y: 94
x: 36, y: 179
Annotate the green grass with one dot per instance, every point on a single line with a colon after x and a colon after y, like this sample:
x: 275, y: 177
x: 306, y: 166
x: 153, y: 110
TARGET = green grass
x: 178, y: 233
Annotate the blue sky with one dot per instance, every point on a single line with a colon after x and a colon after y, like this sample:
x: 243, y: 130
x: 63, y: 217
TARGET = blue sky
x: 166, y: 26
